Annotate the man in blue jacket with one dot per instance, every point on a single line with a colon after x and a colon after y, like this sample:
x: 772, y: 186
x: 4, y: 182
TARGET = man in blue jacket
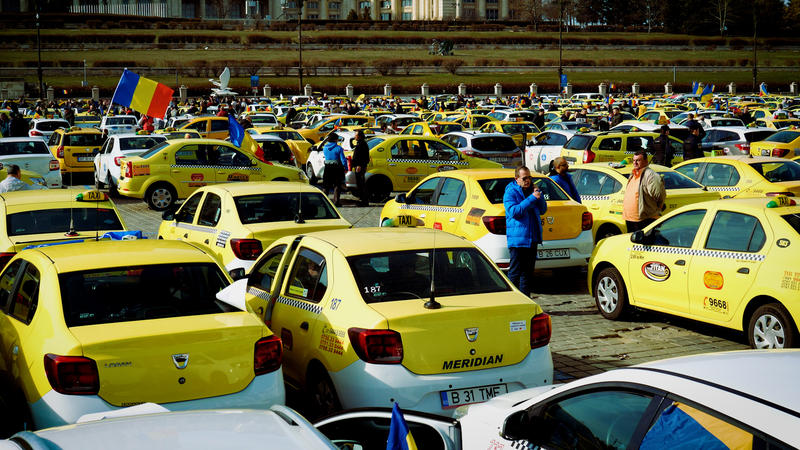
x: 335, y: 167
x: 523, y: 203
x: 564, y: 179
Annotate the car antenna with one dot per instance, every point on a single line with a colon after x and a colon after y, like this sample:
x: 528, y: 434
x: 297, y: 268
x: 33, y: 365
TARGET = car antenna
x: 432, y: 303
x: 298, y: 218
x: 71, y: 232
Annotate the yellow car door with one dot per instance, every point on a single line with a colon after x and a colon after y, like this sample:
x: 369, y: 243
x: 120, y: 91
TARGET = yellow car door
x: 596, y: 189
x: 419, y: 203
x: 722, y: 273
x: 183, y: 220
x: 406, y: 164
x: 232, y: 166
x: 658, y: 271
x: 450, y: 214
x: 205, y: 232
x: 19, y: 290
x: 192, y: 167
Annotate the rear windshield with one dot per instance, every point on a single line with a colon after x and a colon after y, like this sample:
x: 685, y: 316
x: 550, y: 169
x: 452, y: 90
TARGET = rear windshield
x: 124, y: 294
x: 83, y: 140
x: 406, y: 275
x: 517, y: 128
x: 495, y: 189
x: 794, y: 221
x: 140, y: 143
x: 263, y: 208
x: 276, y: 151
x: 494, y: 144
x: 52, y: 125
x: 32, y: 147
x: 287, y: 135
x: 58, y: 221
x: 778, y: 171
x: 756, y: 136
x: 783, y: 136
x: 263, y: 119
x: 579, y: 142
x: 674, y: 180
x: 120, y: 121
x: 727, y: 123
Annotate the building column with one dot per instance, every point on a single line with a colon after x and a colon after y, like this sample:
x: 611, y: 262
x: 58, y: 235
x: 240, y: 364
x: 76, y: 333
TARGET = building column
x: 397, y: 10
x: 480, y: 9
x: 202, y: 8
x: 323, y: 9
x: 375, y: 11
x: 503, y: 9
x: 459, y: 12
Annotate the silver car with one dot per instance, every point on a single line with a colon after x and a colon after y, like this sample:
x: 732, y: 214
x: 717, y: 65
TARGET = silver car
x: 31, y: 153
x: 497, y: 147
x: 108, y: 160
x: 734, y: 140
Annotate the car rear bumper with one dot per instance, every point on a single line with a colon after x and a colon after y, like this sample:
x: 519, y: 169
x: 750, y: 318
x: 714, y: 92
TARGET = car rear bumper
x: 125, y: 188
x: 580, y: 249
x: 55, y: 409
x: 379, y: 385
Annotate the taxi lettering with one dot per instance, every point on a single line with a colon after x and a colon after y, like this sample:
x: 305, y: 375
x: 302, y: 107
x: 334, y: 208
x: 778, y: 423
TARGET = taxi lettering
x: 715, y: 304
x: 472, y: 362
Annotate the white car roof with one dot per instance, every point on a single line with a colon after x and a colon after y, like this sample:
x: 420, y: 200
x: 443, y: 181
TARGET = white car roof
x: 21, y: 139
x: 134, y: 135
x: 742, y: 129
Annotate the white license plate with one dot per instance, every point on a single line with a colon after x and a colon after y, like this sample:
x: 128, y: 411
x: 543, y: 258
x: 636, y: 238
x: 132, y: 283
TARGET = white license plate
x: 552, y: 253
x: 85, y: 158
x: 501, y: 159
x: 458, y: 397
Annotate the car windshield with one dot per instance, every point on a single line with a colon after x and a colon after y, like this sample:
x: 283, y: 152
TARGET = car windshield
x: 58, y: 220
x: 794, y: 221
x: 778, y: 171
x: 756, y: 136
x: 140, y: 143
x: 517, y: 128
x: 406, y: 275
x: 153, y: 150
x: 495, y: 188
x: 372, y: 143
x: 124, y: 294
x: 783, y: 136
x: 282, y: 207
x: 83, y: 140
x: 32, y: 147
x: 51, y: 125
x: 579, y: 142
x: 494, y: 144
x: 120, y: 121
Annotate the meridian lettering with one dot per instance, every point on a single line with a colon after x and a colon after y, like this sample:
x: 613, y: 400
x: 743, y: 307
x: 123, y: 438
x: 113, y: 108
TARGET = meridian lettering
x: 472, y: 362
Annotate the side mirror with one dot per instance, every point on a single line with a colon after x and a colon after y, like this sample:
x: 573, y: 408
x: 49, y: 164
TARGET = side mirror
x: 237, y: 273
x: 400, y: 198
x: 516, y: 427
x: 637, y: 237
x: 169, y: 213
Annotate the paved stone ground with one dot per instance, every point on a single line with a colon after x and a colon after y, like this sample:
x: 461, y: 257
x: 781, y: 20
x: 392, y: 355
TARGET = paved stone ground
x: 583, y: 343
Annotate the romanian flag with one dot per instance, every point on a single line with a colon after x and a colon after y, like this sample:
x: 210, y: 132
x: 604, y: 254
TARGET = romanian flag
x: 695, y: 84
x: 148, y: 97
x: 697, y: 430
x: 399, y: 436
x: 707, y: 94
x: 762, y: 90
x: 698, y: 90
x: 236, y: 131
x: 337, y: 124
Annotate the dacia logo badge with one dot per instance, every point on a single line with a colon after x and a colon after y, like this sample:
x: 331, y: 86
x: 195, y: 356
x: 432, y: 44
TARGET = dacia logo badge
x: 472, y: 333
x: 550, y: 220
x: 181, y: 360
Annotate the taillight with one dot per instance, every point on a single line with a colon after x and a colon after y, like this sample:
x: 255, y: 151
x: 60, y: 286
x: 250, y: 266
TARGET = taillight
x: 588, y: 156
x: 780, y: 152
x: 128, y: 169
x: 503, y: 265
x: 744, y: 148
x: 54, y: 165
x: 248, y: 249
x: 60, y: 151
x: 377, y: 346
x: 4, y: 258
x: 586, y: 221
x: 268, y: 355
x: 495, y: 224
x: 775, y: 194
x: 540, y: 330
x: 74, y: 375
x: 350, y: 162
x: 36, y: 133
x: 470, y: 153
x: 118, y: 160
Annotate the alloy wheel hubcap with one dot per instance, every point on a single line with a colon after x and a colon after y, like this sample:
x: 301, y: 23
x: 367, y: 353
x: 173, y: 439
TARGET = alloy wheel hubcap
x: 607, y: 295
x: 768, y: 332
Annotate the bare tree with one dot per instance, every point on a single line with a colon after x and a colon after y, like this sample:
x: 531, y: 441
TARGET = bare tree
x: 528, y: 10
x: 720, y: 13
x: 653, y: 11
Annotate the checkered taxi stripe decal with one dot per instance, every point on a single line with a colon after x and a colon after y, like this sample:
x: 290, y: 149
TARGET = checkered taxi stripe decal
x: 316, y: 309
x: 723, y: 188
x: 595, y: 197
x: 522, y: 445
x: 693, y: 252
x: 200, y: 166
x: 222, y: 238
x: 432, y: 208
x: 430, y: 161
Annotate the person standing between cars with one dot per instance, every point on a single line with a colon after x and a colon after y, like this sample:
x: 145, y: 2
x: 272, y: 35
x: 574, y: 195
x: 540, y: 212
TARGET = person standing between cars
x: 360, y: 161
x: 616, y: 117
x: 18, y: 126
x: 691, y: 146
x: 524, y: 204
x: 564, y: 179
x: 644, y: 194
x: 5, y: 124
x: 539, y: 119
x: 335, y: 165
x: 662, y: 150
x: 12, y: 182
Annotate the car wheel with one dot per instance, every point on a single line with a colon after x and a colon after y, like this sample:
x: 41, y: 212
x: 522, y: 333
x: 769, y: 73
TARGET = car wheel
x: 97, y: 183
x: 160, y: 196
x: 771, y: 326
x: 312, y: 177
x: 322, y: 392
x: 112, y: 188
x: 379, y: 188
x: 610, y: 294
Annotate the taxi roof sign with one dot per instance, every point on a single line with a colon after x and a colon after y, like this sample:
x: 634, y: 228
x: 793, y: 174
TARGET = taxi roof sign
x: 780, y: 201
x: 402, y: 221
x: 91, y: 196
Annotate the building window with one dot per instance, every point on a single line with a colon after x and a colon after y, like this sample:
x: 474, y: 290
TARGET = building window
x: 333, y: 16
x: 364, y: 5
x: 491, y: 14
x: 312, y: 5
x: 386, y: 5
x: 467, y: 1
x: 407, y: 16
x: 491, y: 1
x: 406, y: 3
x: 386, y: 16
x: 312, y: 16
x: 333, y: 5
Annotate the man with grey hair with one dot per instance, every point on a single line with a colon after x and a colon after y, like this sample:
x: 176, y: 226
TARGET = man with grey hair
x: 12, y: 181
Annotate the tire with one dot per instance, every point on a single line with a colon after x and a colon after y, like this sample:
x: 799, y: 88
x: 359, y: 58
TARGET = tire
x: 312, y: 177
x: 771, y: 326
x: 605, y: 232
x: 610, y: 294
x: 97, y: 183
x: 379, y: 188
x: 322, y: 393
x: 112, y: 188
x: 160, y: 196
x: 14, y: 414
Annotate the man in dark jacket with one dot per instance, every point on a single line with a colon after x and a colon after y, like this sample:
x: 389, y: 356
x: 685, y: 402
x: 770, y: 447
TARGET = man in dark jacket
x: 360, y: 161
x: 691, y: 146
x: 564, y: 179
x: 18, y: 126
x: 539, y: 119
x: 616, y: 117
x: 662, y: 150
x: 524, y: 204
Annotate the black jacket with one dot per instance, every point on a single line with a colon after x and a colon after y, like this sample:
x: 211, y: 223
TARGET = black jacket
x: 691, y: 148
x: 360, y: 155
x: 662, y: 151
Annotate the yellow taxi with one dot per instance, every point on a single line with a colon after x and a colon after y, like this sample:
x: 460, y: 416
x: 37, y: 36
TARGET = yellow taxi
x: 119, y: 323
x: 783, y: 144
x: 513, y: 128
x: 398, y: 162
x: 172, y: 133
x: 602, y: 189
x: 777, y: 124
x: 744, y: 175
x: 87, y: 120
x: 297, y: 143
x: 45, y: 216
x: 175, y: 168
x: 358, y: 310
x: 431, y: 128
x: 75, y: 148
x: 469, y: 203
x: 34, y: 180
x: 443, y: 116
x: 316, y: 131
x: 612, y: 146
x: 731, y: 263
x: 658, y: 116
x: 234, y: 222
x: 472, y: 121
x: 210, y: 127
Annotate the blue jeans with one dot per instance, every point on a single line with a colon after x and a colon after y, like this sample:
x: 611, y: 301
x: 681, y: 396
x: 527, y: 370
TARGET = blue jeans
x: 521, y: 266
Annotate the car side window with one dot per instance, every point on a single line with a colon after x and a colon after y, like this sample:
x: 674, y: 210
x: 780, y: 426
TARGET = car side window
x: 735, y: 232
x: 453, y: 193
x: 691, y: 170
x: 423, y: 195
x: 219, y: 125
x: 54, y: 139
x: 189, y: 155
x: 610, y: 186
x: 557, y: 139
x: 27, y: 295
x: 7, y: 281
x: 265, y: 272
x: 441, y: 152
x: 198, y: 126
x: 211, y: 210
x: 590, y: 182
x: 309, y: 277
x: 189, y: 208
x: 400, y: 149
x: 599, y: 419
x: 726, y: 136
x: 231, y: 158
x: 417, y: 129
x: 679, y: 230
x: 613, y: 143
x: 720, y: 175
x: 636, y: 143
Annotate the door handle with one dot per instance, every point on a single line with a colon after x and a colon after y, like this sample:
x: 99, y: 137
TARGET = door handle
x: 392, y: 164
x: 186, y: 235
x: 206, y: 241
x: 595, y: 206
x: 743, y: 270
x: 176, y: 171
x: 304, y: 326
x: 680, y: 262
x: 422, y: 215
x: 452, y: 219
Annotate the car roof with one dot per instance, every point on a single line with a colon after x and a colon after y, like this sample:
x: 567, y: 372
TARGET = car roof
x: 38, y: 196
x: 746, y: 159
x: 261, y: 187
x: 266, y: 137
x: 104, y: 253
x: 135, y: 135
x: 625, y: 170
x: 22, y: 139
x: 388, y: 239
